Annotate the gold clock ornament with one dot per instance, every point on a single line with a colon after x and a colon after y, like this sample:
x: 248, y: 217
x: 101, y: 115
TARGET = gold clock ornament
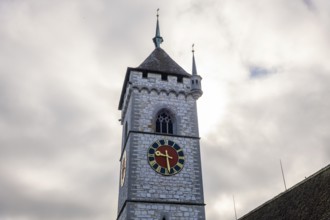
x: 166, y: 157
x: 123, y: 169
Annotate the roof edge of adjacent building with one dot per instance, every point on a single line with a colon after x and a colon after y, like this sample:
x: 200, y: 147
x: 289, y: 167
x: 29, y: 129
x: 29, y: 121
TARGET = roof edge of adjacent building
x: 307, y: 179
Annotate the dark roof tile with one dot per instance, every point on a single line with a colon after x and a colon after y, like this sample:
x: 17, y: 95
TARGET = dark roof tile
x: 308, y: 200
x: 160, y: 61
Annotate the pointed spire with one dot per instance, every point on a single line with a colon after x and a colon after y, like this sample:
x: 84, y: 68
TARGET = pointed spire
x: 194, y: 69
x: 157, y: 39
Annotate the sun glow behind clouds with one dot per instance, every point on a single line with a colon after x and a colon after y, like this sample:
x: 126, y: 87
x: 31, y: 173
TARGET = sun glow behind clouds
x: 211, y: 106
x: 223, y: 204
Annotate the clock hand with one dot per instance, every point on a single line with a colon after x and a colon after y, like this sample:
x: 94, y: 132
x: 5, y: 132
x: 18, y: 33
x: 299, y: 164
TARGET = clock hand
x: 158, y: 154
x: 168, y: 162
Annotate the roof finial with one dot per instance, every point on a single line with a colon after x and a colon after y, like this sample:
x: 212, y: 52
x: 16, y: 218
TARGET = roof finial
x: 157, y: 39
x: 194, y: 69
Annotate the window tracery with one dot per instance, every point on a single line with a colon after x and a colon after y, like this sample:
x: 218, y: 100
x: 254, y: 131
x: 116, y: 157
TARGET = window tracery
x: 164, y: 122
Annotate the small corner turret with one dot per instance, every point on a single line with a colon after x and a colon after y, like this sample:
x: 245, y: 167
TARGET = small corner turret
x: 196, y: 80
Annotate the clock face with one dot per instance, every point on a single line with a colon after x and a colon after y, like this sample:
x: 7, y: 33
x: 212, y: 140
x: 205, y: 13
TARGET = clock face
x: 123, y: 169
x: 166, y: 157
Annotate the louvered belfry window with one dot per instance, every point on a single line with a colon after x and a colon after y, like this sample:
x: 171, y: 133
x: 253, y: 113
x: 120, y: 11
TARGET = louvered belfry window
x: 164, y: 122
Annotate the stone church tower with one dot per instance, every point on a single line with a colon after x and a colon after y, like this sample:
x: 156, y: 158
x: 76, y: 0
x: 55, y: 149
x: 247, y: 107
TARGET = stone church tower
x: 161, y: 175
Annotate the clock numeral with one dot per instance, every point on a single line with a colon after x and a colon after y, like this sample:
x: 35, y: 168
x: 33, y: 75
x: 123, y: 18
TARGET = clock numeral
x: 166, y: 142
x: 180, y: 165
x: 152, y: 163
x: 176, y: 147
x: 177, y: 169
x: 158, y: 169
x: 181, y: 158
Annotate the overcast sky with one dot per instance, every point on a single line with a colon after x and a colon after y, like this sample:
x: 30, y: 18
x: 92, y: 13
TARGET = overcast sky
x: 266, y: 81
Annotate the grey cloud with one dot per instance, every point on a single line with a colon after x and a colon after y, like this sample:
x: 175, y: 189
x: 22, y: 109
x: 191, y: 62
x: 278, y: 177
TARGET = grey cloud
x: 288, y: 121
x: 17, y: 201
x: 61, y: 71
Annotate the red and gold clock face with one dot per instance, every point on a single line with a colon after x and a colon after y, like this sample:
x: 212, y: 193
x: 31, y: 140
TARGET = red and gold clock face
x: 123, y: 169
x: 166, y: 157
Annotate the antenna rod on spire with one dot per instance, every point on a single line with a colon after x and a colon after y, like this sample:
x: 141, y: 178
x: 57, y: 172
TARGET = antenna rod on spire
x: 234, y: 207
x: 283, y: 175
x: 157, y: 39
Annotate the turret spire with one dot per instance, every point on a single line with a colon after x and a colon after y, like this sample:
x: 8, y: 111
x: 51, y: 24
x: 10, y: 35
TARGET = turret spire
x: 196, y: 80
x: 157, y: 39
x: 194, y: 69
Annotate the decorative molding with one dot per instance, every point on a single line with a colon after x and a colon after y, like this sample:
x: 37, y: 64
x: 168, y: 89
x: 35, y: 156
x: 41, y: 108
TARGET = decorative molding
x: 158, y: 91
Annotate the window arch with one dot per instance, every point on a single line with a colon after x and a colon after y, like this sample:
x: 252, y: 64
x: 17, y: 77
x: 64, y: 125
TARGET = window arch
x: 164, y: 122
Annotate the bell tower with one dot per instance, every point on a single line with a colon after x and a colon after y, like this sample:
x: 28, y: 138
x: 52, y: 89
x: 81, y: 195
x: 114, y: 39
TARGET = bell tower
x: 160, y: 162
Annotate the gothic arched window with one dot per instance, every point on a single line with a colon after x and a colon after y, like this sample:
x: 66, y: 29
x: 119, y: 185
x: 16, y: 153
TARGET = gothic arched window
x: 164, y: 122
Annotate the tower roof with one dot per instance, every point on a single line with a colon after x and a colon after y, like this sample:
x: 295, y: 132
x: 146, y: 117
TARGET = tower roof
x: 160, y: 61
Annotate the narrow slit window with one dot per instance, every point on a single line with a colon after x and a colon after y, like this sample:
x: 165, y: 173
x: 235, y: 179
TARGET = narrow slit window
x: 126, y: 130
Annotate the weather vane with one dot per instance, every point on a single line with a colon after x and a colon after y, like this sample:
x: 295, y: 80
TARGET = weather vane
x: 193, y: 48
x: 157, y: 12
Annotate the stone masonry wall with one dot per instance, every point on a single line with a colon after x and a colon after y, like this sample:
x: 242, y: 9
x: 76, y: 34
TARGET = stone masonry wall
x: 146, y: 184
x: 123, y: 190
x: 144, y: 98
x: 151, y: 211
x: 153, y: 94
